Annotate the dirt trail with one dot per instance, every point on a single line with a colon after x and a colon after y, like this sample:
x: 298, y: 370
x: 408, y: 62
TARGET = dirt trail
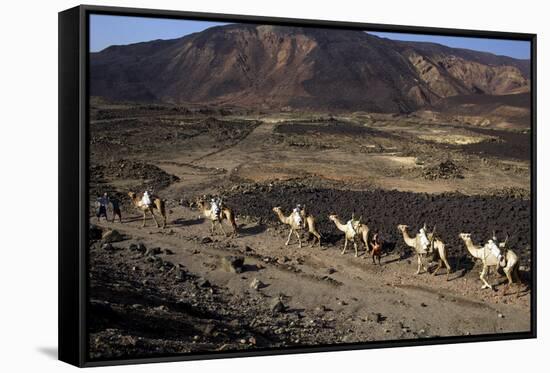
x: 347, y: 289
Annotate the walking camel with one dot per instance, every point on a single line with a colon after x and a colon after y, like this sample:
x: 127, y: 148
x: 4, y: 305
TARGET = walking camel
x: 350, y: 230
x: 363, y: 232
x: 225, y: 213
x: 421, y: 252
x: 158, y: 204
x: 309, y: 223
x: 488, y: 259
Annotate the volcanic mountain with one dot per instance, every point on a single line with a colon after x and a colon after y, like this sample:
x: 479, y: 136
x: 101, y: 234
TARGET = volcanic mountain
x: 285, y: 68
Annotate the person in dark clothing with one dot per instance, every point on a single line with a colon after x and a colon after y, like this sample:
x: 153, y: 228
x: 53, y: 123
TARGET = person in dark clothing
x: 102, y: 203
x: 116, y: 209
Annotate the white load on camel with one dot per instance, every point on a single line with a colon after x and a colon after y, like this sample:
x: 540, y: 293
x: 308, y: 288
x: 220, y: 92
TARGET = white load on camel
x: 495, y: 249
x: 424, y: 241
x: 216, y: 207
x: 352, y: 225
x: 146, y: 199
x: 297, y: 215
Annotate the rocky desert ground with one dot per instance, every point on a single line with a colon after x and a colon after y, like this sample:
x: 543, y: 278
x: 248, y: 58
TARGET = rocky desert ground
x: 180, y: 289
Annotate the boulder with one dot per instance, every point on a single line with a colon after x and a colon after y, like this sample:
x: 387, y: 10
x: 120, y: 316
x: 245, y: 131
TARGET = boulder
x: 203, y: 283
x: 375, y: 317
x: 141, y: 248
x: 256, y: 284
x: 233, y: 264
x: 112, y: 236
x: 153, y: 251
x: 180, y: 272
x: 95, y: 232
x: 107, y: 247
x: 277, y: 306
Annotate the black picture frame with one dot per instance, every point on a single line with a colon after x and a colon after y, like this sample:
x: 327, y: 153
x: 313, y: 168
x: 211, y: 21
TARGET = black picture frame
x: 73, y: 180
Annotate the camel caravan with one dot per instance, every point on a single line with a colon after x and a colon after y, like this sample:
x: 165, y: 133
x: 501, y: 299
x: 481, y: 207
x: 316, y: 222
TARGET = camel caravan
x: 425, y: 245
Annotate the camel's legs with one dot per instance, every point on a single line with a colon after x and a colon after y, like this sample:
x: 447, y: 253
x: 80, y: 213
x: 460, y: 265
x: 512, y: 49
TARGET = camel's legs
x: 355, y: 246
x: 212, y: 227
x: 423, y: 266
x: 221, y: 226
x: 508, y: 273
x: 345, y: 245
x: 482, y: 277
x: 439, y: 264
x: 289, y: 235
x: 365, y: 240
x: 144, y: 216
x: 420, y: 264
x: 318, y: 236
x: 299, y: 239
x: 448, y: 266
x: 154, y: 218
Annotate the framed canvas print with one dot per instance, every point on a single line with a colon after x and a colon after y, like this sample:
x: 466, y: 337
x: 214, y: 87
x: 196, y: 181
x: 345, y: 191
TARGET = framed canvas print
x: 239, y: 186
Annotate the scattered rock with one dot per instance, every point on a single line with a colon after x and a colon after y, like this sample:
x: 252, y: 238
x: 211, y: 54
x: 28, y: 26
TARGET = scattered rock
x: 180, y: 272
x: 321, y: 309
x: 137, y: 247
x: 153, y: 251
x: 444, y: 170
x: 330, y: 271
x: 112, y: 236
x: 283, y: 260
x: 168, y: 252
x: 107, y: 247
x: 233, y: 264
x: 95, y: 232
x: 203, y: 283
x: 277, y: 306
x: 256, y: 284
x: 375, y: 317
x: 206, y: 240
x: 209, y: 329
x: 500, y: 315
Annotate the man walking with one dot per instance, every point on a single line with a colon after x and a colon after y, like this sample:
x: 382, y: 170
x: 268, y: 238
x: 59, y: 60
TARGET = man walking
x: 116, y: 209
x: 102, y: 203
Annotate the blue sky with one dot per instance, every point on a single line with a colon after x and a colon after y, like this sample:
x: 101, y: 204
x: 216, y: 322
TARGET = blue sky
x: 512, y: 48
x: 106, y: 30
